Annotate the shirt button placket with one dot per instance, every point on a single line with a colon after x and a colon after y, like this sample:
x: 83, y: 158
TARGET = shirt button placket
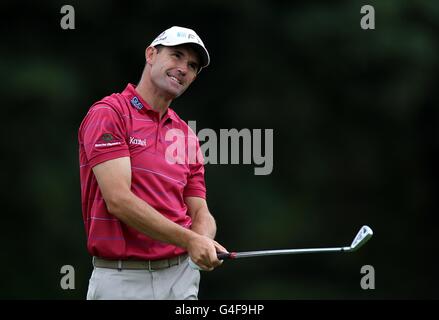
x: 157, y: 124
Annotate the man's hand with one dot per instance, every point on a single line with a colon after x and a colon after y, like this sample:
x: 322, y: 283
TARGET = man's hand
x: 203, y: 252
x: 202, y: 248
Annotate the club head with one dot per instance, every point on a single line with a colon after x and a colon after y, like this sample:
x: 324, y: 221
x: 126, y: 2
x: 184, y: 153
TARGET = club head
x: 361, y: 238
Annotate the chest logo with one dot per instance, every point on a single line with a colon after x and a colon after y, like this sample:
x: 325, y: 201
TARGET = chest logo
x: 136, y: 103
x: 140, y: 142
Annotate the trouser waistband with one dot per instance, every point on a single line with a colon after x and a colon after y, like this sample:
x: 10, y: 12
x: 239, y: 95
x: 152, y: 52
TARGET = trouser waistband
x: 138, y: 264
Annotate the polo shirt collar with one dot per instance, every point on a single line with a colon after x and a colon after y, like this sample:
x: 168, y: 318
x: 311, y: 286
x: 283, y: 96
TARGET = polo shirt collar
x: 172, y: 114
x: 141, y: 105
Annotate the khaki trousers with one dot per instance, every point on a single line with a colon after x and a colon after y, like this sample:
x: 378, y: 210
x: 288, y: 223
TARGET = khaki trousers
x: 179, y: 282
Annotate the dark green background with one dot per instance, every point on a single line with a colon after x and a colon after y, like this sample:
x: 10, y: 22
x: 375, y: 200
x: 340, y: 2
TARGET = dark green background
x: 355, y: 120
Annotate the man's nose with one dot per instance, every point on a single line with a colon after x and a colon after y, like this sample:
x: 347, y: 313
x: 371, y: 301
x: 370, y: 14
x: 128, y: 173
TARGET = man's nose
x: 182, y: 68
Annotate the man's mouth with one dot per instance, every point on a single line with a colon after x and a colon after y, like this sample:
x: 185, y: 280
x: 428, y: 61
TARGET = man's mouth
x: 175, y: 79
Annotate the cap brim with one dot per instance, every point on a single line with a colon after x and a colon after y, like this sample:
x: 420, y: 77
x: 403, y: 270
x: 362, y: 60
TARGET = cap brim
x: 204, y: 55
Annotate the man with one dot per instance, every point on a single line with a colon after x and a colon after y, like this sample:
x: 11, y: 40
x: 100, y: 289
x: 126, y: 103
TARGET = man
x: 144, y: 214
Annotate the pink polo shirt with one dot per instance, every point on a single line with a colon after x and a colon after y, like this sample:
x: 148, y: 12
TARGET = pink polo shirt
x: 124, y: 125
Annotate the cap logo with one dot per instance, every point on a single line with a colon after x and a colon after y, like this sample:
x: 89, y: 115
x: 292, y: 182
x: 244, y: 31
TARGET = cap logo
x: 192, y: 36
x: 136, y: 103
x: 161, y: 36
x: 181, y: 34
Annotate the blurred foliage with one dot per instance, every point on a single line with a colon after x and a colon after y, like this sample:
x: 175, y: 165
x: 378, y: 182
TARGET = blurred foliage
x: 355, y: 122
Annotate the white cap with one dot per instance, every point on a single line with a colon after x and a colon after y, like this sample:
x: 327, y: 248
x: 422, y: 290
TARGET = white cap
x: 178, y: 35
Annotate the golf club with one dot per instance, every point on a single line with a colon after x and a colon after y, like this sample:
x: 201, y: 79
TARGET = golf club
x: 360, y: 239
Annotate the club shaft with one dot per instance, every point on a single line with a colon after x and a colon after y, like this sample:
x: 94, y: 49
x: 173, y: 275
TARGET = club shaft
x: 360, y: 239
x: 248, y: 254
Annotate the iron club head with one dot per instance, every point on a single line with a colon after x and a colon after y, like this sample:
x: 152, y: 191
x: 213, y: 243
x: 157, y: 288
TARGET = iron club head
x: 361, y: 238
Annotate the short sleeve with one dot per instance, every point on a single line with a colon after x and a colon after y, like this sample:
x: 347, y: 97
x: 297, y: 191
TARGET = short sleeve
x: 196, y: 186
x: 103, y: 135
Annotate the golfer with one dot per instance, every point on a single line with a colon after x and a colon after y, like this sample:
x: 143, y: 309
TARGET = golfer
x: 144, y: 213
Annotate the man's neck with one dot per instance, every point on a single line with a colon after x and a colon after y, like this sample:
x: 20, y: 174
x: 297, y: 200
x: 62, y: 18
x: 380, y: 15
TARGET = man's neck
x: 153, y: 97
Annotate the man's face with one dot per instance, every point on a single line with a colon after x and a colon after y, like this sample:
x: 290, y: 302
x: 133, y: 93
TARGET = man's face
x: 173, y: 69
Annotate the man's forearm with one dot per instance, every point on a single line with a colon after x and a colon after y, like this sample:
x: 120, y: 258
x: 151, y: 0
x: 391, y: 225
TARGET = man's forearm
x: 138, y: 214
x: 203, y: 223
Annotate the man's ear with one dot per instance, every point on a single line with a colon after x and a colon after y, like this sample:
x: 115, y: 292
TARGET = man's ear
x: 150, y: 54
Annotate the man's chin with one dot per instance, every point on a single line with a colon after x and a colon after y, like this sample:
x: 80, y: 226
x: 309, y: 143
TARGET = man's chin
x: 172, y: 94
x: 177, y: 93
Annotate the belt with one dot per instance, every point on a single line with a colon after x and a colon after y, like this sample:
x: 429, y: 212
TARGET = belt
x: 150, y: 265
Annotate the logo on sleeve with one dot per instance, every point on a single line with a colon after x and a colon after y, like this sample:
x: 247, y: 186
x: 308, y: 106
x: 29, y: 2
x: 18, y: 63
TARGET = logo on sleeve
x: 106, y: 141
x: 107, y: 137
